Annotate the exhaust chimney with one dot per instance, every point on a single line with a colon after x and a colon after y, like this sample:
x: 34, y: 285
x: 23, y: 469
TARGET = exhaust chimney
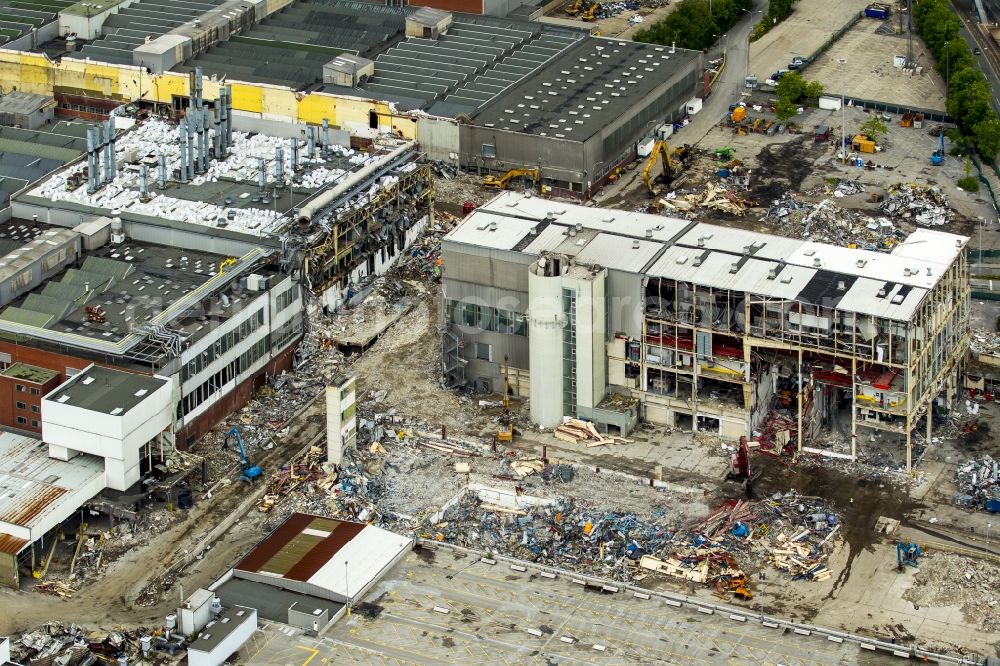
x: 93, y: 159
x: 262, y: 174
x: 197, y: 87
x: 142, y: 182
x: 203, y: 137
x: 311, y: 142
x: 190, y: 147
x: 279, y: 166
x: 326, y: 134
x: 163, y: 171
x: 112, y: 161
x: 182, y: 134
x: 229, y: 117
x: 295, y: 155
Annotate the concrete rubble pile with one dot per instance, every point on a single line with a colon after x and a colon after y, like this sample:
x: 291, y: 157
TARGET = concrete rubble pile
x: 922, y: 205
x: 972, y: 585
x: 978, y: 483
x: 60, y: 645
x: 828, y: 223
x: 982, y: 341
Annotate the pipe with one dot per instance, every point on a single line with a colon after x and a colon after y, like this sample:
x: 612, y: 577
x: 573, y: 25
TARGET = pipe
x: 326, y: 198
x: 112, y: 161
x: 108, y: 155
x: 326, y: 134
x: 142, y: 181
x: 197, y: 87
x: 217, y: 135
x: 182, y: 141
x: 261, y: 175
x: 279, y: 166
x: 202, y: 141
x: 223, y: 121
x: 311, y: 142
x: 229, y: 116
x: 295, y: 155
x: 93, y: 165
x: 190, y: 149
x: 163, y: 171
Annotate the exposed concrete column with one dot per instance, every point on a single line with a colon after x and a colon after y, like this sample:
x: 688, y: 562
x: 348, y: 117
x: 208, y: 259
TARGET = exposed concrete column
x: 854, y: 411
x: 930, y: 420
x: 909, y: 445
x: 798, y: 434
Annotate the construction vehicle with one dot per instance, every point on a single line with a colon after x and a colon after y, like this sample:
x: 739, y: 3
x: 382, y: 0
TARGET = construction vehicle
x: 672, y: 164
x: 937, y: 157
x: 501, y: 182
x: 590, y: 13
x: 250, y: 471
x: 506, y: 433
x: 573, y: 8
x: 907, y: 554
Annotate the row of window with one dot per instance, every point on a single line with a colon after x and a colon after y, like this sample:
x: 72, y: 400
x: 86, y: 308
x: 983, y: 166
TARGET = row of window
x: 20, y: 388
x: 23, y: 421
x: 214, y: 384
x: 285, y: 298
x: 486, y: 318
x: 222, y: 345
x: 288, y: 331
x: 21, y: 405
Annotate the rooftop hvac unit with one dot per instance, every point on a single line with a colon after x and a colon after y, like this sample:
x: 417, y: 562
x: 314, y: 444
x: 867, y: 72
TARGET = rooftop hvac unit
x: 257, y: 282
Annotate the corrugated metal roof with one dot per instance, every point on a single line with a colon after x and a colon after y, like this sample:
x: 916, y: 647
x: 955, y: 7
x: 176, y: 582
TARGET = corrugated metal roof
x: 11, y: 544
x: 32, y: 484
x: 26, y: 317
x: 619, y: 252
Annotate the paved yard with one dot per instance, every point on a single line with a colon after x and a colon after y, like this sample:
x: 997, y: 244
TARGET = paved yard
x: 500, y: 616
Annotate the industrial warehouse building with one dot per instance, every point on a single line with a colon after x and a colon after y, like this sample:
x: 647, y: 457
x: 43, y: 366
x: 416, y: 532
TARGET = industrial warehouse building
x: 611, y: 315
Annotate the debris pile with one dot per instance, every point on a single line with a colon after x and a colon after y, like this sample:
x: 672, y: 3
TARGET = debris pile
x: 575, y: 431
x: 979, y: 484
x: 828, y: 223
x: 715, y: 197
x: 56, y: 643
x: 609, y: 9
x: 925, y: 206
x: 945, y: 579
x: 984, y: 342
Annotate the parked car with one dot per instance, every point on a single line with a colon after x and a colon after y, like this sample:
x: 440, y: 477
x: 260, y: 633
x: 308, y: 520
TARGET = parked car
x: 797, y: 63
x: 976, y: 51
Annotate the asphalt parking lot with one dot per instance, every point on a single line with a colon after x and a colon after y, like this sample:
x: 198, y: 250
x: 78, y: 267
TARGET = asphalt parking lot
x: 500, y: 615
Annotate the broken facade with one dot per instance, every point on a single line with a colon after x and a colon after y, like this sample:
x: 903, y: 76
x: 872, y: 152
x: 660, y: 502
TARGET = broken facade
x: 710, y: 328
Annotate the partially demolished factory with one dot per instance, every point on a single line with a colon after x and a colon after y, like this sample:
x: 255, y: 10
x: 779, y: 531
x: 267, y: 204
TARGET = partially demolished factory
x: 614, y: 316
x: 172, y: 266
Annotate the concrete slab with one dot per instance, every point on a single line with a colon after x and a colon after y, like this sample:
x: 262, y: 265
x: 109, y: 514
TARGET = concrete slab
x: 869, y: 73
x: 492, y: 610
x: 810, y: 24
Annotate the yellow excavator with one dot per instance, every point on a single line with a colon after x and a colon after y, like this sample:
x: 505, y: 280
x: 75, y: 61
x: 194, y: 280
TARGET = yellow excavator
x: 673, y: 164
x: 573, y: 8
x: 590, y: 13
x: 501, y: 182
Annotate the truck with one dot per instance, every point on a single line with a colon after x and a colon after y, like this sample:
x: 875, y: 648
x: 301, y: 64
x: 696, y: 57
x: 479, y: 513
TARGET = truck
x: 878, y: 10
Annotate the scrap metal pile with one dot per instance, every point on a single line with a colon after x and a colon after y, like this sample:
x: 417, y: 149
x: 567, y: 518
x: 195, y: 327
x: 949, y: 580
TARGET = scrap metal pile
x: 715, y: 197
x: 982, y: 341
x: 979, y: 484
x: 793, y: 533
x: 922, y: 205
x: 609, y: 9
x: 56, y: 643
x: 828, y: 223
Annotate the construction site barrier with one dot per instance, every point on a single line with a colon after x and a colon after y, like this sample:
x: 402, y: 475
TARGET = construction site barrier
x: 824, y: 47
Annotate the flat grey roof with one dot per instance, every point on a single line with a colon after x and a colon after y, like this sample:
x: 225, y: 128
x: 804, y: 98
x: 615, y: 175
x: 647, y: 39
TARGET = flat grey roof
x: 217, y: 630
x: 272, y: 603
x: 105, y: 390
x: 885, y: 284
x: 586, y: 88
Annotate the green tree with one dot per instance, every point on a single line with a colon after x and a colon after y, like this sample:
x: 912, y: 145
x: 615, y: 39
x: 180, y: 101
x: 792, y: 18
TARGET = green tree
x: 986, y: 135
x: 791, y: 87
x: 874, y: 128
x: 785, y: 109
x: 813, y: 90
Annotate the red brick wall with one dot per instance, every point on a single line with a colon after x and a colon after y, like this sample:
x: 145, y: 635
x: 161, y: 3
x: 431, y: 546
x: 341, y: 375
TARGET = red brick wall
x: 10, y: 396
x: 470, y: 6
